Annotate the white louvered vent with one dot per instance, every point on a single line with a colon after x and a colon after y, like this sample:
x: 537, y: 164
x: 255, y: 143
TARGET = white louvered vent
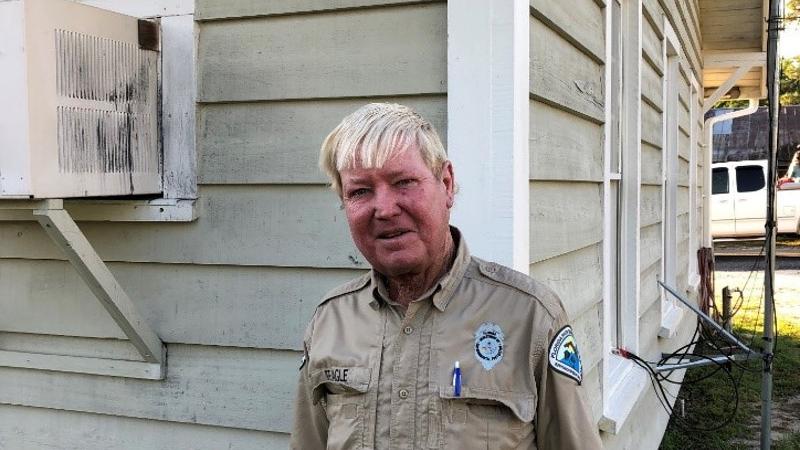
x: 107, y: 119
x: 88, y: 93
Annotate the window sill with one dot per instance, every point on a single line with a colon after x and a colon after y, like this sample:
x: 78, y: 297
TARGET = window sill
x: 158, y: 210
x: 670, y: 321
x: 623, y: 397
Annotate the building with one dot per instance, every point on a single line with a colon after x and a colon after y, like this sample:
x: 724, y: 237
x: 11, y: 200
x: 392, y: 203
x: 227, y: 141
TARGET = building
x: 577, y: 133
x: 747, y: 137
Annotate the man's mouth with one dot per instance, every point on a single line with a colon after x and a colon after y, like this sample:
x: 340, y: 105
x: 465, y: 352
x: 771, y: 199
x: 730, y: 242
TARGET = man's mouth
x: 392, y: 234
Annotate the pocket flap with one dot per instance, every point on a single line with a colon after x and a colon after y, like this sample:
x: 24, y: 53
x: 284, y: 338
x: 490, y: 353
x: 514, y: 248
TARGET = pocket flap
x: 522, y: 405
x: 340, y: 380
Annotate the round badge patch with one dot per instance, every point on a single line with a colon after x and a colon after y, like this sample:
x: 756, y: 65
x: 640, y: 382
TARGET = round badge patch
x: 563, y: 355
x: 489, y: 345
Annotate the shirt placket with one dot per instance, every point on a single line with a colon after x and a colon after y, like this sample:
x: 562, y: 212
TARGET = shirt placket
x: 405, y: 373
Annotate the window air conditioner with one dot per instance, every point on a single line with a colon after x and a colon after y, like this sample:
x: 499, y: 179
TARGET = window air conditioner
x: 79, y: 96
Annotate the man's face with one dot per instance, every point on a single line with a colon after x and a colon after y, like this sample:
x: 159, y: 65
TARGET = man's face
x: 399, y: 214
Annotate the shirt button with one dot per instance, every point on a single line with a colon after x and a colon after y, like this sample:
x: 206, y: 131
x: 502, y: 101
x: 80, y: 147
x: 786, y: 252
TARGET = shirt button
x: 408, y: 330
x: 403, y: 394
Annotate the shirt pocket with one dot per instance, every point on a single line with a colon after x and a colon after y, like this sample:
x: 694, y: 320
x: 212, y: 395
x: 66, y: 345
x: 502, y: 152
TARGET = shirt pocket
x: 343, y: 394
x: 482, y: 419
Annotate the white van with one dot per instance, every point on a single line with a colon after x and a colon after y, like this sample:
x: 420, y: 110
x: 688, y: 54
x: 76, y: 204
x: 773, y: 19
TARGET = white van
x: 739, y: 200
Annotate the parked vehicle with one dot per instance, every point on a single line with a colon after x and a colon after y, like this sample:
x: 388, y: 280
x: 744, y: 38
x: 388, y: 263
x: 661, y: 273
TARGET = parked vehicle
x: 739, y: 200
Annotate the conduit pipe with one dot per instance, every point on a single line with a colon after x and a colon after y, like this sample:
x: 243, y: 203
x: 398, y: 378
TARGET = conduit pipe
x: 707, y: 160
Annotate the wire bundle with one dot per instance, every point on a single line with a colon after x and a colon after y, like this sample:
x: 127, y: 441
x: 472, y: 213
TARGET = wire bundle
x: 705, y: 343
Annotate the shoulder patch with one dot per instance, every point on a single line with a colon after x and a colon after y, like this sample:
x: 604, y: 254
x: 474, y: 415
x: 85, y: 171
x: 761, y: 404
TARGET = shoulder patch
x: 563, y: 355
x: 351, y: 286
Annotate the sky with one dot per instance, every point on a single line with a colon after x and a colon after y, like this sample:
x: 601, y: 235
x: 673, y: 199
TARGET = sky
x: 789, y: 42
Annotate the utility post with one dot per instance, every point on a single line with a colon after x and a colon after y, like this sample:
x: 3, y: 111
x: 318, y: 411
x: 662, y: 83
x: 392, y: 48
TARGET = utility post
x: 769, y: 275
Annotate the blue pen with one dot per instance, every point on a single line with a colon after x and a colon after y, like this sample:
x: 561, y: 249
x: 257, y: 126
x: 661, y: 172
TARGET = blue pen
x: 457, y: 380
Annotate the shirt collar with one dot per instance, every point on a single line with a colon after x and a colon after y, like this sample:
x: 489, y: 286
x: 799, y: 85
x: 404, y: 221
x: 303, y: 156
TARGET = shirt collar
x: 442, y: 291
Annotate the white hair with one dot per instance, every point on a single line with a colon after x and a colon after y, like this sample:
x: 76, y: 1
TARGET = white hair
x: 375, y: 133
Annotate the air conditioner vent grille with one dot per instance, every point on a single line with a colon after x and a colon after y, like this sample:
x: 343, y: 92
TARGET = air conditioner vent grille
x: 107, y: 105
x: 96, y: 141
x: 99, y: 69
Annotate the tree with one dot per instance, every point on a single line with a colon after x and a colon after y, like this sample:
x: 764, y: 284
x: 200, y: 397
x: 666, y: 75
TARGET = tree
x: 790, y: 80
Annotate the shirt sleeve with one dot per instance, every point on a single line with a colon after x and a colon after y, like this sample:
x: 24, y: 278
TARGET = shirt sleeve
x: 310, y: 430
x: 563, y: 420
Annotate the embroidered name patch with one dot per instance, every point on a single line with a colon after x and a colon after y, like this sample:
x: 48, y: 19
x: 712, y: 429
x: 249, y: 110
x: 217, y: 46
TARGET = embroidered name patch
x: 563, y: 355
x: 489, y: 345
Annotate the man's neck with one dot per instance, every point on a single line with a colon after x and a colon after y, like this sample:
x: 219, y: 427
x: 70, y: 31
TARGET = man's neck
x: 407, y: 288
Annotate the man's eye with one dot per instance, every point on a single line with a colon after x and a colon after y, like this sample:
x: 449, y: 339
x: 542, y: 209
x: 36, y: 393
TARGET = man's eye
x: 357, y: 193
x: 405, y: 182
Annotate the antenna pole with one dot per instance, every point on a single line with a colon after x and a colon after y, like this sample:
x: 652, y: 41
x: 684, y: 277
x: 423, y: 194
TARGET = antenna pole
x: 769, y: 273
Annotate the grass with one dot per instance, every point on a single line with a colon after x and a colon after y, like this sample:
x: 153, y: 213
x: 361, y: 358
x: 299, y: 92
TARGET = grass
x: 709, y: 401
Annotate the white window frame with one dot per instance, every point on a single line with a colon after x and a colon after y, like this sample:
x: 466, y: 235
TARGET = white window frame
x: 694, y: 110
x: 671, y: 313
x: 623, y: 385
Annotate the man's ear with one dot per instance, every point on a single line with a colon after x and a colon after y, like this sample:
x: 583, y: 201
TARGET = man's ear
x: 449, y: 181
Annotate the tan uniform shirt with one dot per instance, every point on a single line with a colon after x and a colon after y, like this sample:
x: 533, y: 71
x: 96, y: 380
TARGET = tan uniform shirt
x: 377, y: 377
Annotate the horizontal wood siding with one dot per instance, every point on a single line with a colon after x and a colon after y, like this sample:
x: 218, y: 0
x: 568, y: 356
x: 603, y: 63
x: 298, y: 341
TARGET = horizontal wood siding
x: 652, y: 172
x: 265, y: 307
x: 571, y: 285
x: 351, y: 53
x: 238, y: 388
x: 649, y: 291
x: 231, y: 9
x: 238, y: 225
x: 650, y: 208
x: 652, y: 46
x: 650, y: 241
x: 40, y: 428
x: 652, y: 87
x: 579, y: 21
x: 564, y: 146
x: 565, y: 216
x: 652, y: 126
x: 563, y: 75
x: 567, y: 49
x: 278, y: 142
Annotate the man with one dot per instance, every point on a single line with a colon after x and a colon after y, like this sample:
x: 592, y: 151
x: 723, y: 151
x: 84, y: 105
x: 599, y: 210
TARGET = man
x: 432, y: 349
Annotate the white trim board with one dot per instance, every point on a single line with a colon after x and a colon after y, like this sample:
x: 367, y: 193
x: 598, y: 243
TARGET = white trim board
x: 487, y: 132
x: 622, y: 386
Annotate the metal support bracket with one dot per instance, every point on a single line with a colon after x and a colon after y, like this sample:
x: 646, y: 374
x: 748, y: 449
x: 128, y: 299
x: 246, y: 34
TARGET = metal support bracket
x: 60, y: 227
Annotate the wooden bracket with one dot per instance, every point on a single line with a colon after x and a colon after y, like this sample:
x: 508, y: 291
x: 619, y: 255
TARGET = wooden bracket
x: 58, y: 224
x: 709, y: 102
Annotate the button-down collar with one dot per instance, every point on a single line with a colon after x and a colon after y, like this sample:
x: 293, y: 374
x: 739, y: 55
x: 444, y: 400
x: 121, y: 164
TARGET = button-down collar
x: 442, y: 291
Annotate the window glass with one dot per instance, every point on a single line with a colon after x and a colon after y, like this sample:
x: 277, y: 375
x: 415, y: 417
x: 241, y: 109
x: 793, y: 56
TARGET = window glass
x: 749, y: 178
x: 719, y: 181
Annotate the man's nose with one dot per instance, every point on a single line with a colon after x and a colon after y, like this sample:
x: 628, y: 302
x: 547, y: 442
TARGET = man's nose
x: 386, y: 203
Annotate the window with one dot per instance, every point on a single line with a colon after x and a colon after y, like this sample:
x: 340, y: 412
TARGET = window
x: 614, y: 174
x: 671, y: 313
x: 749, y: 178
x: 670, y: 178
x: 693, y: 275
x: 719, y: 181
x: 622, y: 383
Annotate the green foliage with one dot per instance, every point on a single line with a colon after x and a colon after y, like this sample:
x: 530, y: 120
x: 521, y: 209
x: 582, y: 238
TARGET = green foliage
x: 790, y: 80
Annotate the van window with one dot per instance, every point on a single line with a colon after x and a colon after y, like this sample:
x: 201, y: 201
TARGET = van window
x: 749, y: 178
x: 719, y: 180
